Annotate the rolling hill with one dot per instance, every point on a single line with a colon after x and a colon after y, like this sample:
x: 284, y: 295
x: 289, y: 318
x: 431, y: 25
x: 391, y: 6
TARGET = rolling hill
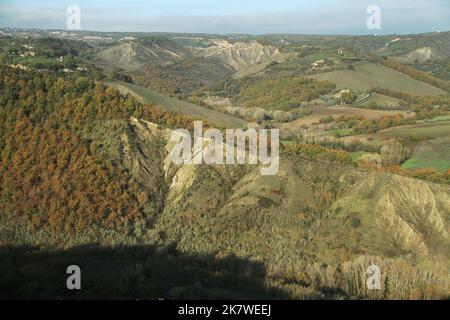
x: 429, y: 144
x: 87, y: 176
x: 369, y: 75
x: 175, y: 105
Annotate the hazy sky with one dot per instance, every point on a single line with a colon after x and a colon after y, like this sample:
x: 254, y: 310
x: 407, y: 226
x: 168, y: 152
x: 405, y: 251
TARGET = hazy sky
x: 232, y: 16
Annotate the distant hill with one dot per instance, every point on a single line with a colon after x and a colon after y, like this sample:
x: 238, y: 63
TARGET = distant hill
x: 204, y: 64
x: 131, y: 54
x: 389, y: 45
x: 240, y: 55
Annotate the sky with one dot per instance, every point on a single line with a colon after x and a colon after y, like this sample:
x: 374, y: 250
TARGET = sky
x: 232, y: 16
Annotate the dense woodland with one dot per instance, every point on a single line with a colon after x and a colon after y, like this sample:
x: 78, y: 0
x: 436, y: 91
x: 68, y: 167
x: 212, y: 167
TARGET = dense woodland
x: 361, y: 125
x: 50, y: 163
x: 284, y: 93
x: 182, y: 78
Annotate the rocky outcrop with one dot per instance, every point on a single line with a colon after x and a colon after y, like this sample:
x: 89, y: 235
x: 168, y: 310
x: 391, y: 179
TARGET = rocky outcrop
x: 131, y: 56
x: 308, y: 212
x: 240, y: 55
x: 423, y: 54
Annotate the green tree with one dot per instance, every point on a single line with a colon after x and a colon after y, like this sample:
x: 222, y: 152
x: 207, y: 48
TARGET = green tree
x: 349, y: 97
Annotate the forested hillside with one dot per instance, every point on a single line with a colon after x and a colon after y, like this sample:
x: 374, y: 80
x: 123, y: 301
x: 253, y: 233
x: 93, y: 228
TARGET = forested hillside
x: 60, y: 154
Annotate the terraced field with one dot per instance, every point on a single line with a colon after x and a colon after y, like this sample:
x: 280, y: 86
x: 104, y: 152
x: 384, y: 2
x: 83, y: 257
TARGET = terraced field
x: 368, y: 75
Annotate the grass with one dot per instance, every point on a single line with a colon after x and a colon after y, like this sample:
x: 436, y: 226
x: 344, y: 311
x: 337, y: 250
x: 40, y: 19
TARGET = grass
x: 38, y: 60
x: 368, y: 75
x: 341, y: 132
x: 434, y: 154
x: 436, y: 119
x: 441, y: 165
x: 357, y: 155
x: 431, y: 143
x: 383, y: 101
x: 175, y: 105
x: 288, y: 142
x: 417, y: 133
x: 317, y: 56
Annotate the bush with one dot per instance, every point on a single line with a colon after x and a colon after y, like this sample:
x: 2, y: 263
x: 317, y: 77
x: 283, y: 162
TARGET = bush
x: 316, y: 152
x: 393, y: 153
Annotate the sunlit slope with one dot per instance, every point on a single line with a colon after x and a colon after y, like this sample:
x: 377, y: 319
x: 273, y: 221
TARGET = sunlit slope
x: 176, y: 105
x: 368, y: 75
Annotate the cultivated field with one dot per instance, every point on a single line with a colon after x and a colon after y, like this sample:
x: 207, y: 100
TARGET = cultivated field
x: 368, y: 75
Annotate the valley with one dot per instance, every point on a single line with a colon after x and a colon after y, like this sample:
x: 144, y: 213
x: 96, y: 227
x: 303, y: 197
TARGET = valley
x: 86, y: 120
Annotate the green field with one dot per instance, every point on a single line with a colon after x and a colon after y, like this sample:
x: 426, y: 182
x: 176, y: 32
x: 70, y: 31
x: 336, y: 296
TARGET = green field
x: 341, y: 132
x: 33, y: 61
x: 357, y: 155
x: 433, y: 154
x: 288, y: 142
x: 436, y: 119
x: 431, y: 143
x: 368, y: 75
x: 176, y: 105
x: 389, y: 103
x: 317, y: 56
x: 417, y: 133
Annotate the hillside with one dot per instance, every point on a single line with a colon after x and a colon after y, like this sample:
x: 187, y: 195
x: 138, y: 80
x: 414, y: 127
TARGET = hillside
x: 87, y: 177
x: 175, y: 105
x: 308, y: 213
x: 240, y: 56
x: 296, y: 232
x: 132, y: 54
x: 369, y: 75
